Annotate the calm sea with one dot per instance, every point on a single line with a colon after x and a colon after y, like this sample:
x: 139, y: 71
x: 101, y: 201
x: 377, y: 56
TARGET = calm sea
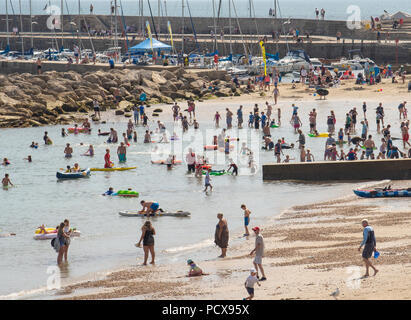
x: 335, y: 9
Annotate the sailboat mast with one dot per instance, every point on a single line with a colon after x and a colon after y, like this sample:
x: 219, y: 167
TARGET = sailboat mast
x: 158, y: 16
x: 31, y: 25
x: 142, y: 18
x: 21, y: 30
x: 79, y: 18
x: 249, y: 3
x: 61, y: 22
x: 229, y: 25
x: 182, y: 26
x: 7, y: 23
x: 115, y: 29
x: 215, y: 28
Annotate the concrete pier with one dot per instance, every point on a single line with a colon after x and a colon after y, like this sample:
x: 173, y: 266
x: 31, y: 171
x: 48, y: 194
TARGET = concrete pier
x: 395, y: 169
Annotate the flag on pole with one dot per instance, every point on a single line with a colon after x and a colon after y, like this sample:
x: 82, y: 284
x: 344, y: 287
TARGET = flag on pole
x: 149, y: 34
x: 171, y: 33
x: 262, y: 45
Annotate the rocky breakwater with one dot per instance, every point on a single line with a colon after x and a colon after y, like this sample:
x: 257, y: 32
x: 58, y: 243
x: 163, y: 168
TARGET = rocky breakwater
x: 66, y: 97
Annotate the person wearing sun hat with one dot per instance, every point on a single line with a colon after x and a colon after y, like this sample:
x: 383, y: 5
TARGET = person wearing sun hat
x: 259, y: 252
x: 195, y: 270
x: 249, y: 284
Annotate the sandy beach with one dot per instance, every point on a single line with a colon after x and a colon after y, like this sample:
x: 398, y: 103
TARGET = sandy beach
x: 310, y: 250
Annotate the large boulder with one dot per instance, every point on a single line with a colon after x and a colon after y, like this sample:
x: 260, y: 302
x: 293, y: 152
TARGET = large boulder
x: 72, y: 75
x: 158, y: 79
x: 69, y: 107
x: 198, y: 84
x: 168, y: 75
x: 4, y: 80
x: 108, y: 84
x: 55, y: 87
x: 36, y: 80
x: 150, y: 84
x: 92, y: 78
x: 169, y: 86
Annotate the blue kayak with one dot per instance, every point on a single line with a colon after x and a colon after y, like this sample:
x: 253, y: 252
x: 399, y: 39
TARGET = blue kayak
x: 380, y: 193
x: 73, y: 175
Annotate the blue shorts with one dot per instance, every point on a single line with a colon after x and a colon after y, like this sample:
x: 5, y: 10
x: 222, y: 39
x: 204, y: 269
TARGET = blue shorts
x: 250, y: 290
x: 246, y: 221
x: 155, y: 206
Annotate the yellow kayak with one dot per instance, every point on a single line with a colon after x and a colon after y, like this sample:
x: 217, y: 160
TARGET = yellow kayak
x: 112, y: 169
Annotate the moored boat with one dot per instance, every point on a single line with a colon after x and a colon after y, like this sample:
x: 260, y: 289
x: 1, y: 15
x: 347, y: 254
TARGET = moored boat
x: 381, y: 193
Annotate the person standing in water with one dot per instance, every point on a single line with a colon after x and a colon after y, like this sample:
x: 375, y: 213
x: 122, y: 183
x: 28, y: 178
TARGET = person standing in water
x: 121, y: 152
x: 369, y: 248
x: 207, y: 180
x: 6, y: 181
x: 67, y: 230
x: 221, y: 236
x: 61, y: 237
x: 68, y: 151
x: 107, y: 162
x: 147, y: 236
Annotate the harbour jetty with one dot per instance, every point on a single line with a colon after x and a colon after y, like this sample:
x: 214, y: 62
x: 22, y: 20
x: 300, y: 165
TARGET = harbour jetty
x: 246, y: 32
x: 395, y: 169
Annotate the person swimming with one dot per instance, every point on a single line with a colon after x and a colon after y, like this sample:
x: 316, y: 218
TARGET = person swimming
x: 6, y: 162
x: 109, y: 192
x: 90, y: 151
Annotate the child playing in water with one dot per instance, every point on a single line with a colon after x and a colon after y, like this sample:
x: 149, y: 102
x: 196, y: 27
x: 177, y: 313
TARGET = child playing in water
x: 163, y: 139
x: 287, y: 159
x: 109, y: 192
x: 6, y: 162
x: 195, y: 271
x: 6, y: 181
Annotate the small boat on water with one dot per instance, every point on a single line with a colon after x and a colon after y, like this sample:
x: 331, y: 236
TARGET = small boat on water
x: 73, y: 175
x: 383, y: 193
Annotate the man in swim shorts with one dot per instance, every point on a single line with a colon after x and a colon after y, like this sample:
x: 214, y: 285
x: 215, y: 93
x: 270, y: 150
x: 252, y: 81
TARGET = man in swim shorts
x: 246, y: 219
x: 68, y: 151
x: 369, y: 147
x: 121, y: 152
x: 150, y: 208
x: 369, y: 248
